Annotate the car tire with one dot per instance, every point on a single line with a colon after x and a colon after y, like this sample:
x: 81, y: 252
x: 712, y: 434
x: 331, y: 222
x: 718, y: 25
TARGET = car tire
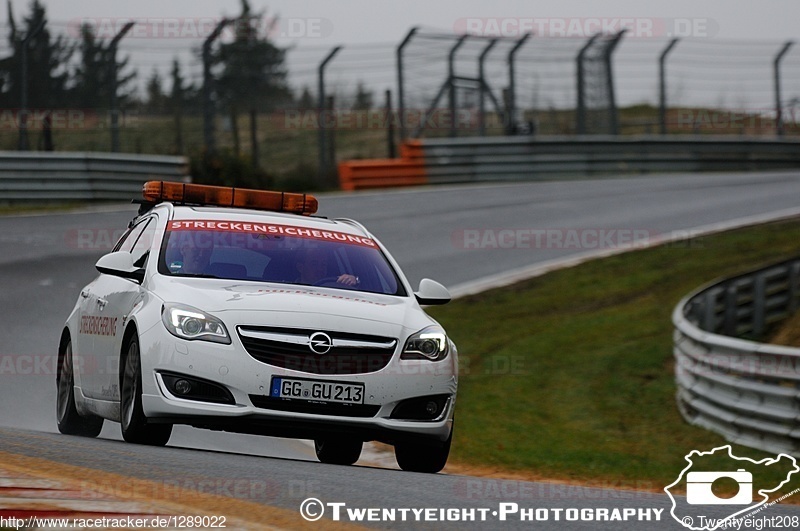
x: 428, y: 457
x: 135, y: 428
x: 338, y: 451
x: 69, y: 421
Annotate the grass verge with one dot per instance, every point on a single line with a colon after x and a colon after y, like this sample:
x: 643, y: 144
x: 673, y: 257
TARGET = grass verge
x: 569, y: 376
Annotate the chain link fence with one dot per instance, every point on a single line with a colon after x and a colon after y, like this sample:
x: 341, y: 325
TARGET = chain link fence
x: 433, y: 84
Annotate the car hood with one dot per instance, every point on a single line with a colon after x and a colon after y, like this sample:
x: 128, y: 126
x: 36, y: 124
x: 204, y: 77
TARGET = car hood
x: 291, y: 305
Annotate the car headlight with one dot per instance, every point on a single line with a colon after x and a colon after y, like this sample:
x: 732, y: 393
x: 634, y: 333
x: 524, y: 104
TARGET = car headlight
x: 190, y: 323
x: 428, y: 344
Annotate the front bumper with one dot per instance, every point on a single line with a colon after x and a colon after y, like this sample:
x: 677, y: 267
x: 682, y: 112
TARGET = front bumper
x: 232, y: 367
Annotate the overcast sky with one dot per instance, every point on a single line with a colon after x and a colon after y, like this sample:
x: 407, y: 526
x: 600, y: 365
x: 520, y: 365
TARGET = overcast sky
x: 351, y: 21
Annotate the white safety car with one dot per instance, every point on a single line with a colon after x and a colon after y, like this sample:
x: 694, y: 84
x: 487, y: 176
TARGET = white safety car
x: 236, y: 310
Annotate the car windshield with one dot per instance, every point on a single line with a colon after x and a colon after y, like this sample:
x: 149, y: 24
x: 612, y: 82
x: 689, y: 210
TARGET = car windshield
x: 276, y: 253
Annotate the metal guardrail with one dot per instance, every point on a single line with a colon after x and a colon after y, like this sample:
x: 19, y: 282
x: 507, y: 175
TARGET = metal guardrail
x: 515, y: 158
x: 531, y: 158
x: 38, y: 176
x: 748, y: 392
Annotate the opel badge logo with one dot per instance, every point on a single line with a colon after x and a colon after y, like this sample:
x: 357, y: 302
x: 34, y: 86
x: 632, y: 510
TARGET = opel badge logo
x: 320, y: 343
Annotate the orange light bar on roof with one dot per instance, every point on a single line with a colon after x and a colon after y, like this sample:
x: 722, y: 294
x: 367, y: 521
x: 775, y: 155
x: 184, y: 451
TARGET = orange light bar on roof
x: 200, y: 194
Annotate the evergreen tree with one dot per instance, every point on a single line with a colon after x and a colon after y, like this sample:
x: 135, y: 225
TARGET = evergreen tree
x: 92, y: 80
x: 306, y: 101
x: 254, y: 76
x: 92, y: 74
x: 156, y: 99
x: 363, y: 100
x: 183, y: 94
x: 48, y: 75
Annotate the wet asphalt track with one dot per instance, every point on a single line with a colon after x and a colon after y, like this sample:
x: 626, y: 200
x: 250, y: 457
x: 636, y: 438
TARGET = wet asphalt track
x: 46, y: 259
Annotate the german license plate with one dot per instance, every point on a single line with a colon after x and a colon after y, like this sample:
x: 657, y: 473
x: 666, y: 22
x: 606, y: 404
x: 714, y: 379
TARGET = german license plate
x: 317, y: 391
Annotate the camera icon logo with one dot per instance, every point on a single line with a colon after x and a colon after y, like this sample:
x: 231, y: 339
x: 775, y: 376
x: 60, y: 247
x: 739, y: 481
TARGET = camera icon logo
x: 698, y: 488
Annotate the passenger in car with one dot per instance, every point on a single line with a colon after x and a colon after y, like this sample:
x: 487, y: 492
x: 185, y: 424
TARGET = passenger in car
x: 196, y: 256
x: 313, y: 267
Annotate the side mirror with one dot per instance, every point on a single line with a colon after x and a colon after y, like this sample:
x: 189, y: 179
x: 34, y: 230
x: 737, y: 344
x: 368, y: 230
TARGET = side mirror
x: 432, y: 293
x: 120, y: 264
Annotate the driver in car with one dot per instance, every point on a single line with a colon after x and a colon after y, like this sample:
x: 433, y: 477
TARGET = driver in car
x: 194, y: 250
x: 313, y: 267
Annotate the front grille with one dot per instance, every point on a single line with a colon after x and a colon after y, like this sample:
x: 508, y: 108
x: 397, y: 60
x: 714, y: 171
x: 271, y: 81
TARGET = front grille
x: 317, y: 408
x: 289, y: 348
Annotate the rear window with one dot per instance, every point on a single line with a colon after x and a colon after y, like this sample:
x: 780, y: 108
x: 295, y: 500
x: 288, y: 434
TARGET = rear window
x: 277, y: 254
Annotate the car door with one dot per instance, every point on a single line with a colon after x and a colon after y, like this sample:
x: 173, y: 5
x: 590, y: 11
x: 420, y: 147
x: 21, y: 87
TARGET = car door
x: 88, y: 321
x: 83, y: 342
x: 113, y: 299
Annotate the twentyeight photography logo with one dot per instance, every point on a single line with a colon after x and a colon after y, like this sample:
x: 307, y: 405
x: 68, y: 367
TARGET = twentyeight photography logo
x: 732, y: 495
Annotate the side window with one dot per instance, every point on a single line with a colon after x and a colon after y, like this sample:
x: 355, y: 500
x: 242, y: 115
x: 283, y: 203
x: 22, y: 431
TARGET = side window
x: 141, y: 249
x: 122, y: 240
x: 129, y: 238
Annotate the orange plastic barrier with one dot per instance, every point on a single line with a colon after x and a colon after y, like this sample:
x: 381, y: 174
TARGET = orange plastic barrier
x: 408, y: 170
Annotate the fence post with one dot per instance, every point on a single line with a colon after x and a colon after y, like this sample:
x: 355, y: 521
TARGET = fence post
x: 613, y: 119
x: 390, y: 149
x: 208, y: 103
x: 321, y: 129
x: 112, y: 66
x: 23, y: 100
x: 401, y: 92
x: 511, y: 98
x: 482, y: 87
x: 580, y: 118
x: 662, y: 86
x: 254, y: 155
x: 777, y: 71
x: 451, y: 75
x: 330, y: 107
